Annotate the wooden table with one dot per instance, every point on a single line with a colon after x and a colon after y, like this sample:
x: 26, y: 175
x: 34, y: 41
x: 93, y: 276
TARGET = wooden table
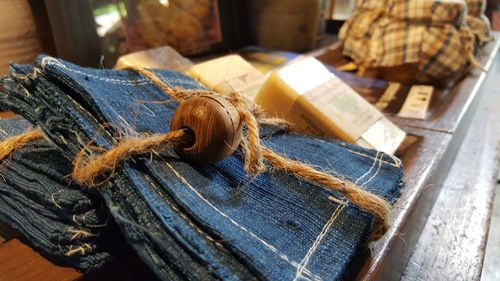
x: 452, y: 245
x: 18, y: 262
x: 426, y: 163
x: 426, y: 167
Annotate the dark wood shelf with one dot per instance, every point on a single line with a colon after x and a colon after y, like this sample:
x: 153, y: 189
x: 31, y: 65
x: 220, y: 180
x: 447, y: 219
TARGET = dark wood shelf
x: 426, y: 166
x: 19, y: 262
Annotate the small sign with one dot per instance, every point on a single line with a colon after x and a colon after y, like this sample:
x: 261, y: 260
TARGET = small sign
x: 417, y: 102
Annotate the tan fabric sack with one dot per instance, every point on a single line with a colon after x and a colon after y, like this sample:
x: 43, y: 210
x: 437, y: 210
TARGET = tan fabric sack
x: 413, y: 40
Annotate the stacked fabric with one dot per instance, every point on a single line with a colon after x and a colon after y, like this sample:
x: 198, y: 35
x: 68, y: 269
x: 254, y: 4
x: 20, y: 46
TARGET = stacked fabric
x: 204, y: 222
x: 414, y: 40
x: 64, y: 222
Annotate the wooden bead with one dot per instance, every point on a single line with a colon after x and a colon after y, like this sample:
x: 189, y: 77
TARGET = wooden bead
x: 215, y: 124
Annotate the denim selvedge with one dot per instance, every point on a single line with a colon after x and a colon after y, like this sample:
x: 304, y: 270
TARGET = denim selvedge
x: 53, y: 215
x: 208, y: 221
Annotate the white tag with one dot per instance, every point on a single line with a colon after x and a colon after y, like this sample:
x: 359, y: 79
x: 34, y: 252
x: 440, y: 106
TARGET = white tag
x: 343, y: 106
x: 417, y: 102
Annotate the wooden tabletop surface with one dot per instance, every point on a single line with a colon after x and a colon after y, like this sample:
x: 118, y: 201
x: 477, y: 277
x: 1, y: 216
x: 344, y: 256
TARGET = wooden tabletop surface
x: 426, y: 167
x: 452, y: 245
x: 19, y: 262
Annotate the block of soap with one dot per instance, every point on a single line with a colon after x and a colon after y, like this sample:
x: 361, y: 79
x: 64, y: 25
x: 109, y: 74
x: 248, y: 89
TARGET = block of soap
x: 229, y: 73
x: 161, y: 58
x: 307, y: 94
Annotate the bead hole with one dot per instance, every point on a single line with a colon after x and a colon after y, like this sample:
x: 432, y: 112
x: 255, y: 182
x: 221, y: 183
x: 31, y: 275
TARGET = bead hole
x: 189, y: 138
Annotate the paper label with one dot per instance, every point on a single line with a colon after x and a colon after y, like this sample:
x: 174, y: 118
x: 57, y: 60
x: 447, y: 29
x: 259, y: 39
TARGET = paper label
x: 247, y: 83
x: 417, y: 102
x: 344, y: 107
x: 383, y: 136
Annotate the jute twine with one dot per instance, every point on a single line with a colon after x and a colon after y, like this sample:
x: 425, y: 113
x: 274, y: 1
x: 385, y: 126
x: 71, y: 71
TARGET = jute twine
x: 13, y: 143
x: 88, y: 167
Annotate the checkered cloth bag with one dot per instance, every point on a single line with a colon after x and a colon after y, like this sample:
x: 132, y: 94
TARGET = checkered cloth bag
x: 371, y: 4
x: 477, y: 21
x: 476, y: 8
x: 431, y: 38
x: 481, y: 28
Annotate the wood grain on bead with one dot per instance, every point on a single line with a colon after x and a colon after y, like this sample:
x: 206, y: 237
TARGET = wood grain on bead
x: 215, y: 124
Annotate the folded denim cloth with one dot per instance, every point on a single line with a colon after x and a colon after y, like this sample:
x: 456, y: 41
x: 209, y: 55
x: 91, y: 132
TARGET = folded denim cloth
x: 210, y: 221
x: 65, y: 223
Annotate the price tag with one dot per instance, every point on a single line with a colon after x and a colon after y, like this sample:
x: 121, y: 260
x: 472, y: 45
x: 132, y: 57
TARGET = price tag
x: 417, y: 102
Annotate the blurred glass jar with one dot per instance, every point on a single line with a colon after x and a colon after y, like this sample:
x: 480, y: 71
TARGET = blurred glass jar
x: 284, y: 24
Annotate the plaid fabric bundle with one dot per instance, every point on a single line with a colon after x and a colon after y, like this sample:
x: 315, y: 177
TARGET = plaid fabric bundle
x: 481, y: 28
x: 371, y: 4
x: 430, y: 12
x: 476, y: 8
x: 477, y: 20
x: 431, y: 39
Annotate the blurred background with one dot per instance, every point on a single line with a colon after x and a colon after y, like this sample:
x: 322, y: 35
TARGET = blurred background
x: 94, y: 32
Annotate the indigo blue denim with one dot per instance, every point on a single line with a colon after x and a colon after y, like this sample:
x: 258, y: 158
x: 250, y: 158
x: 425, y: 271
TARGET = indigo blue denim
x: 53, y: 215
x: 210, y: 221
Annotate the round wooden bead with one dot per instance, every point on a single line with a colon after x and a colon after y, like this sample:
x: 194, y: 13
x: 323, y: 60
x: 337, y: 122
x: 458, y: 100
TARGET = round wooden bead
x: 216, y: 127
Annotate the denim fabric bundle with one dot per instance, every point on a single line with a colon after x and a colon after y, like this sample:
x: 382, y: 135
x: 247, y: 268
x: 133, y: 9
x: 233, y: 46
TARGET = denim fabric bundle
x: 66, y: 224
x: 211, y: 221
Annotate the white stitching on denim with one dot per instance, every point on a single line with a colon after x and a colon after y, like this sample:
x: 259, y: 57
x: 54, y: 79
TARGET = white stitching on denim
x: 52, y: 61
x: 269, y: 246
x: 176, y: 210
x: 375, y: 161
x: 374, y: 175
x: 396, y: 160
x: 303, y: 264
x: 395, y: 164
x: 137, y: 82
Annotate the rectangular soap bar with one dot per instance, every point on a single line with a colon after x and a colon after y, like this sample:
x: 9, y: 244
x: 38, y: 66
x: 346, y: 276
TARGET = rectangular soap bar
x: 162, y: 58
x: 229, y: 73
x: 307, y: 94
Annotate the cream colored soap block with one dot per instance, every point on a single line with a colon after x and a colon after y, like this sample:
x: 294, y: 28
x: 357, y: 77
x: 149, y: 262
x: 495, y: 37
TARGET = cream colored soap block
x: 229, y: 73
x: 307, y: 94
x: 161, y: 58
